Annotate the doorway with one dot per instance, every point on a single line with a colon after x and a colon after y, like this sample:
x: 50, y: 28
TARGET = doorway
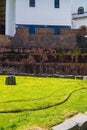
x: 2, y: 16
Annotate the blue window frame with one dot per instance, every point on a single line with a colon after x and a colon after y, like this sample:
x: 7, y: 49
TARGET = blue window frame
x: 32, y: 3
x: 32, y: 30
x: 56, y: 3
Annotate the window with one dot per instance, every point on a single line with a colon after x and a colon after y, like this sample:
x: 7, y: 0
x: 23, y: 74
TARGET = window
x: 56, y: 3
x: 80, y: 10
x: 32, y: 3
x: 32, y: 30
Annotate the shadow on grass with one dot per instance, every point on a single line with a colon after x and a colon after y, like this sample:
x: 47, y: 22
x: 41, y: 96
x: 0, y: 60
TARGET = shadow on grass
x: 44, y: 107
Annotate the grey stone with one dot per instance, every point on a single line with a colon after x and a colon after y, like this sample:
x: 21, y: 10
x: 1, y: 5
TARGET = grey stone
x: 70, y: 76
x: 79, y: 77
x: 66, y: 125
x: 61, y: 76
x: 77, y: 122
x: 84, y: 77
x: 10, y: 80
x: 81, y: 120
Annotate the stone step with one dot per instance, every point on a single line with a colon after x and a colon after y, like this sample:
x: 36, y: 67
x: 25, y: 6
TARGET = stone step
x: 77, y: 122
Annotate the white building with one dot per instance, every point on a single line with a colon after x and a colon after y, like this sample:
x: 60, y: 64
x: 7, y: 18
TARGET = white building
x: 79, y: 13
x: 42, y: 14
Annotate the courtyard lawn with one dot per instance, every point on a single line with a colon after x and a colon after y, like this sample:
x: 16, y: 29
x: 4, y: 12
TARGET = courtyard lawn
x: 37, y: 102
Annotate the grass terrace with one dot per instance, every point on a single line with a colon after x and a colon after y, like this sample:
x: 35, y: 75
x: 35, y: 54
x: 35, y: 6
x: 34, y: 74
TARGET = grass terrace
x: 41, y: 103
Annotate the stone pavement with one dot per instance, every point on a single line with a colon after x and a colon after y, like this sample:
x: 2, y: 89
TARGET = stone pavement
x: 77, y: 122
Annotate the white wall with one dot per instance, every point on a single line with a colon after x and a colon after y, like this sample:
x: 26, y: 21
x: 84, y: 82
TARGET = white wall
x: 77, y: 23
x: 44, y: 13
x: 79, y: 3
x: 10, y: 17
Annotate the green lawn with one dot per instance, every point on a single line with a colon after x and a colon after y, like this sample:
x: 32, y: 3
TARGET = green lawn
x: 40, y: 102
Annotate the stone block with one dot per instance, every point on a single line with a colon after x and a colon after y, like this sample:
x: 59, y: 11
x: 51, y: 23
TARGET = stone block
x: 84, y: 77
x: 5, y: 41
x: 81, y: 120
x: 68, y: 31
x: 66, y: 125
x: 10, y: 80
x: 79, y: 77
x: 77, y: 122
x: 46, y: 31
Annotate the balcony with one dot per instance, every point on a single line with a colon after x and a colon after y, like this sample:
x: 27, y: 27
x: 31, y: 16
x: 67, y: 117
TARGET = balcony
x: 77, y: 16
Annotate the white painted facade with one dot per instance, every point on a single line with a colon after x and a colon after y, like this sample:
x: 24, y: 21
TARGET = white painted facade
x: 79, y: 20
x: 10, y: 17
x: 44, y: 13
x: 77, y: 23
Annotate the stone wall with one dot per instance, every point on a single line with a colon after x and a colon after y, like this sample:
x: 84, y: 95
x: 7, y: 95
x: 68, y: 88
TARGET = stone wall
x: 42, y: 53
x: 45, y: 38
x: 5, y: 41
